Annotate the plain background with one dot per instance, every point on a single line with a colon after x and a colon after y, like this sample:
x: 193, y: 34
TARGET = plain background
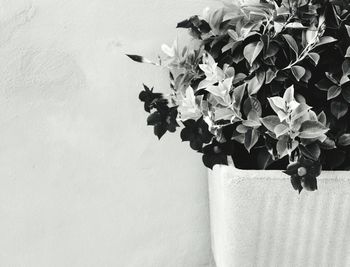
x: 83, y: 181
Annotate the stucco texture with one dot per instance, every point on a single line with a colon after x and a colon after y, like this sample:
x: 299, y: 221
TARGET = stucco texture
x: 83, y: 181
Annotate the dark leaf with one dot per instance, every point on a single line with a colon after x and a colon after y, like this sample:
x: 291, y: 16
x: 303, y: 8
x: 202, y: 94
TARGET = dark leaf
x: 346, y: 93
x: 264, y: 159
x: 327, y: 144
x: 324, y: 84
x: 296, y: 183
x: 344, y: 140
x: 311, y: 151
x: 334, y: 158
x: 154, y: 118
x: 136, y: 58
x: 292, y: 168
x: 346, y: 67
x: 159, y: 130
x: 163, y: 120
x: 197, y: 133
x: 151, y: 99
x: 215, y: 153
x: 339, y: 109
x: 140, y: 59
x: 309, y: 183
x: 196, y: 25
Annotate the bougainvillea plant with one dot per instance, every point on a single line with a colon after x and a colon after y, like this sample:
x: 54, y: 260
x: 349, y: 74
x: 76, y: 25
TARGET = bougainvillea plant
x: 264, y: 82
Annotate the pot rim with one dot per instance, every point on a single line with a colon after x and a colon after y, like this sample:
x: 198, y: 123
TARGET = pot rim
x: 231, y: 170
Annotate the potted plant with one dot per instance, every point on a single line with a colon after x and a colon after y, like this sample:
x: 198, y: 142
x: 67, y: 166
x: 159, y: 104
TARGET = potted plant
x: 265, y: 85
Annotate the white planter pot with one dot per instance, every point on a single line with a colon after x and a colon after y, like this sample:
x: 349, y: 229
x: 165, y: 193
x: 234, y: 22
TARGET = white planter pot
x: 258, y: 220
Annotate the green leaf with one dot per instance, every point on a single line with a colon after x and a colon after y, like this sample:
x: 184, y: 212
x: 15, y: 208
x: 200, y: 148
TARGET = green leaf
x: 238, y: 94
x: 288, y: 95
x: 279, y: 107
x: 292, y: 43
x: 233, y: 34
x: 251, y: 138
x: 311, y: 34
x: 256, y: 82
x: 322, y: 118
x: 277, y: 102
x: 282, y: 146
x: 312, y: 129
x: 270, y: 75
x: 333, y: 92
x: 326, y: 40
x: 347, y: 52
x: 216, y: 18
x: 242, y: 129
x: 280, y: 129
x: 250, y: 123
x: 252, y: 103
x: 270, y: 122
x: 299, y: 112
x: 344, y: 80
x: 339, y: 109
x: 344, y: 140
x: 256, y: 105
x: 314, y: 57
x: 298, y: 72
x: 307, y: 76
x: 295, y: 25
x: 252, y: 51
x: 348, y: 29
x: 331, y: 77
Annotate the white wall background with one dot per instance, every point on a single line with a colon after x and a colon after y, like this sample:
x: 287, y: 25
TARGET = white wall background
x: 83, y: 181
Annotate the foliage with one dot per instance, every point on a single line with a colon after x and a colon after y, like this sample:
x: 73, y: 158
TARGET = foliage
x: 268, y: 77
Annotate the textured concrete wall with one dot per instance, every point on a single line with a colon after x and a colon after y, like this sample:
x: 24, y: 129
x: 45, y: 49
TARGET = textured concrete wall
x: 83, y: 182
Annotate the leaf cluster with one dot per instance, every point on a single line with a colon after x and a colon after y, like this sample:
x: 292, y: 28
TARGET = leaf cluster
x: 267, y: 82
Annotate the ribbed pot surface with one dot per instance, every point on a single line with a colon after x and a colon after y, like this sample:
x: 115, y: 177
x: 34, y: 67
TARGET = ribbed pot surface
x: 258, y: 220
